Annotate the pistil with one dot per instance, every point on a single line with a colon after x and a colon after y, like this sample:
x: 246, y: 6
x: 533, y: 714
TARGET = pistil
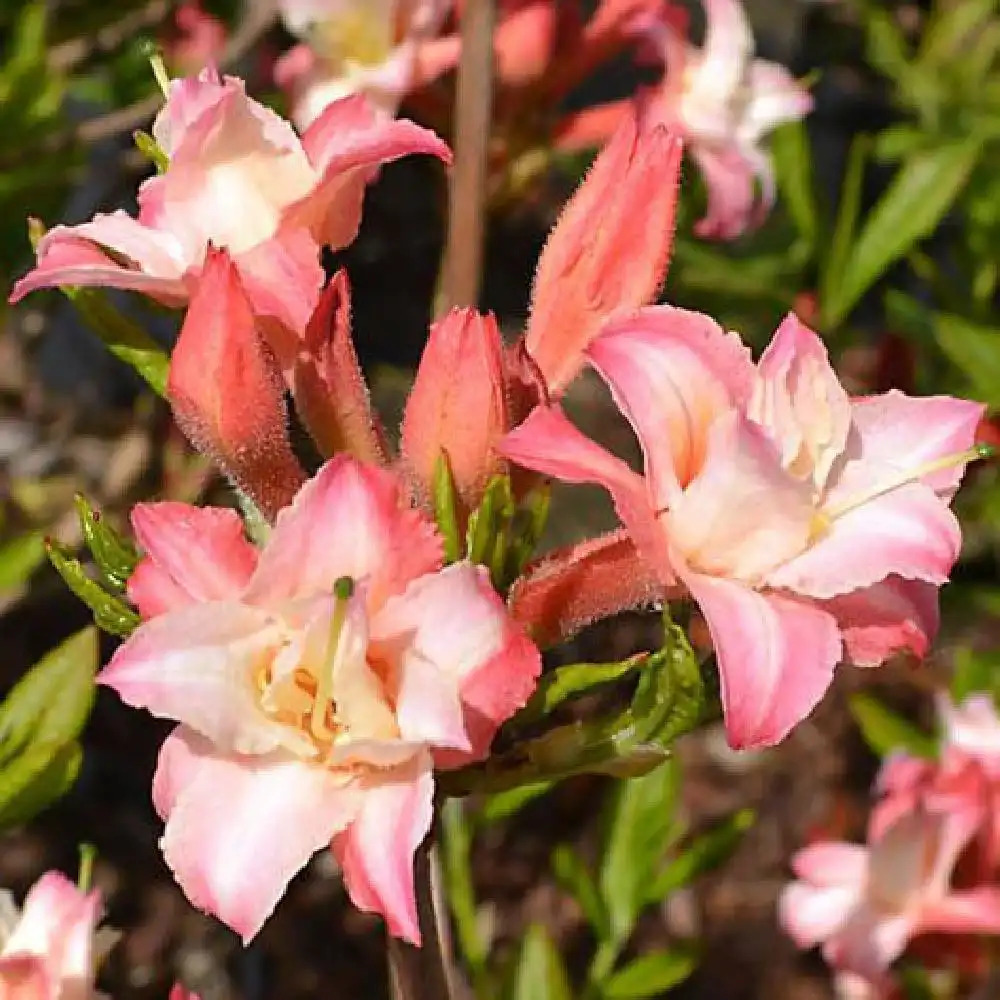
x: 343, y: 590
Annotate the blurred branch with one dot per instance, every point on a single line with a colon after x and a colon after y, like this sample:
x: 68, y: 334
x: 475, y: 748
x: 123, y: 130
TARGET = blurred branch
x: 462, y: 262
x: 260, y: 16
x: 68, y: 55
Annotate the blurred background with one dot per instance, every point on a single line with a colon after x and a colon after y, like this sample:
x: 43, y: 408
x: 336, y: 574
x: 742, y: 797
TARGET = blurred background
x: 884, y: 238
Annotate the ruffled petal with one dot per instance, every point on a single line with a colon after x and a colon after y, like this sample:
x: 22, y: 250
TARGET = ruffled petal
x: 192, y: 554
x: 238, y: 828
x: 197, y: 665
x: 908, y: 532
x: 672, y: 373
x: 776, y: 657
x: 811, y: 915
x: 346, y: 521
x: 376, y: 851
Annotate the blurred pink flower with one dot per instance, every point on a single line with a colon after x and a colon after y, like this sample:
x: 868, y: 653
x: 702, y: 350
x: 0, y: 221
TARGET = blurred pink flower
x: 380, y: 48
x: 724, y: 102
x: 317, y: 683
x: 47, y: 951
x: 865, y: 904
x: 195, y: 39
x: 239, y: 178
x: 808, y: 526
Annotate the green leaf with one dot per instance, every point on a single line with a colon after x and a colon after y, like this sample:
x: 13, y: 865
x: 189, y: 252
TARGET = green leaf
x: 919, y: 196
x: 445, y: 509
x: 885, y: 731
x: 35, y: 779
x: 973, y: 349
x: 526, y: 531
x: 706, y: 853
x: 638, y: 824
x: 110, y: 613
x: 975, y: 672
x: 572, y: 681
x: 115, y: 557
x: 19, y: 558
x: 841, y: 242
x: 503, y: 805
x: 651, y: 974
x: 51, y: 702
x: 573, y: 876
x: 125, y: 339
x: 793, y: 163
x: 538, y: 973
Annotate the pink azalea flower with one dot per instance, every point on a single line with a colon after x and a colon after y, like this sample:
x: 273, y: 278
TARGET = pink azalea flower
x: 380, y: 48
x: 239, y: 178
x: 865, y: 904
x: 725, y: 102
x: 808, y: 526
x: 317, y: 683
x: 47, y: 951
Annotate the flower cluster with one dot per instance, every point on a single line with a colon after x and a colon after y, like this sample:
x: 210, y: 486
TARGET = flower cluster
x: 320, y: 675
x: 931, y: 867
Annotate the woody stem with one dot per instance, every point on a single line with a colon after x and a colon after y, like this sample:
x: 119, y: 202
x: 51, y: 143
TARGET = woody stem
x: 420, y: 973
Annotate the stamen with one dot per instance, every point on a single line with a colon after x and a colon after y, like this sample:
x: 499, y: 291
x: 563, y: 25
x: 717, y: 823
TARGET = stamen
x: 160, y: 74
x: 973, y: 454
x: 343, y: 590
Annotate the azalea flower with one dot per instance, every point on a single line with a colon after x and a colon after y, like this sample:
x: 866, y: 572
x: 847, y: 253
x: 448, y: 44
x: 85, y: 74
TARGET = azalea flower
x: 724, y: 102
x: 47, y: 950
x: 808, y: 526
x: 238, y: 177
x: 865, y: 904
x: 317, y: 683
x: 380, y: 48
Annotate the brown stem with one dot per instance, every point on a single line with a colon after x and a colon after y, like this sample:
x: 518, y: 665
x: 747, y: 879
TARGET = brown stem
x: 420, y: 973
x: 462, y: 262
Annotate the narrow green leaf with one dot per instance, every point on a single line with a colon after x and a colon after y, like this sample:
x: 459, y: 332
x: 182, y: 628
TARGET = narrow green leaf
x: 51, y: 702
x: 19, y: 558
x: 503, y: 805
x: 920, y: 195
x: 885, y: 731
x: 526, y: 532
x: 651, y: 974
x: 110, y: 613
x: 496, y: 506
x: 973, y: 349
x: 842, y: 240
x: 572, y: 875
x: 445, y: 510
x: 975, y: 672
x: 571, y: 681
x: 793, y: 164
x: 116, y: 557
x: 456, y: 842
x: 706, y: 853
x: 538, y: 973
x: 638, y: 823
x: 35, y: 779
x: 125, y: 339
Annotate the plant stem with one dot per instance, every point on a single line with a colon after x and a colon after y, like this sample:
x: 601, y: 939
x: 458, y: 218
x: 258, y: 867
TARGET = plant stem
x: 462, y: 261
x: 420, y: 973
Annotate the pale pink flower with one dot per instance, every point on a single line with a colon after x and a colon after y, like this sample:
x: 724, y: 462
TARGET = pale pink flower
x: 194, y: 39
x: 317, y: 683
x: 724, y: 102
x: 238, y: 178
x: 808, y: 526
x: 47, y: 951
x: 865, y: 904
x: 380, y: 48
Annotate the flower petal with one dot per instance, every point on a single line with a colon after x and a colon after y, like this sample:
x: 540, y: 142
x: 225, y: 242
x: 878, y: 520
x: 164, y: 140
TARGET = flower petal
x: 462, y: 665
x: 548, y: 443
x: 830, y: 863
x: 672, y: 373
x: 24, y: 977
x: 346, y: 521
x: 890, y: 617
x: 238, y: 828
x: 799, y: 399
x: 776, y: 657
x: 908, y: 532
x: 811, y: 915
x: 197, y: 665
x: 376, y: 851
x: 192, y: 554
x: 975, y: 911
